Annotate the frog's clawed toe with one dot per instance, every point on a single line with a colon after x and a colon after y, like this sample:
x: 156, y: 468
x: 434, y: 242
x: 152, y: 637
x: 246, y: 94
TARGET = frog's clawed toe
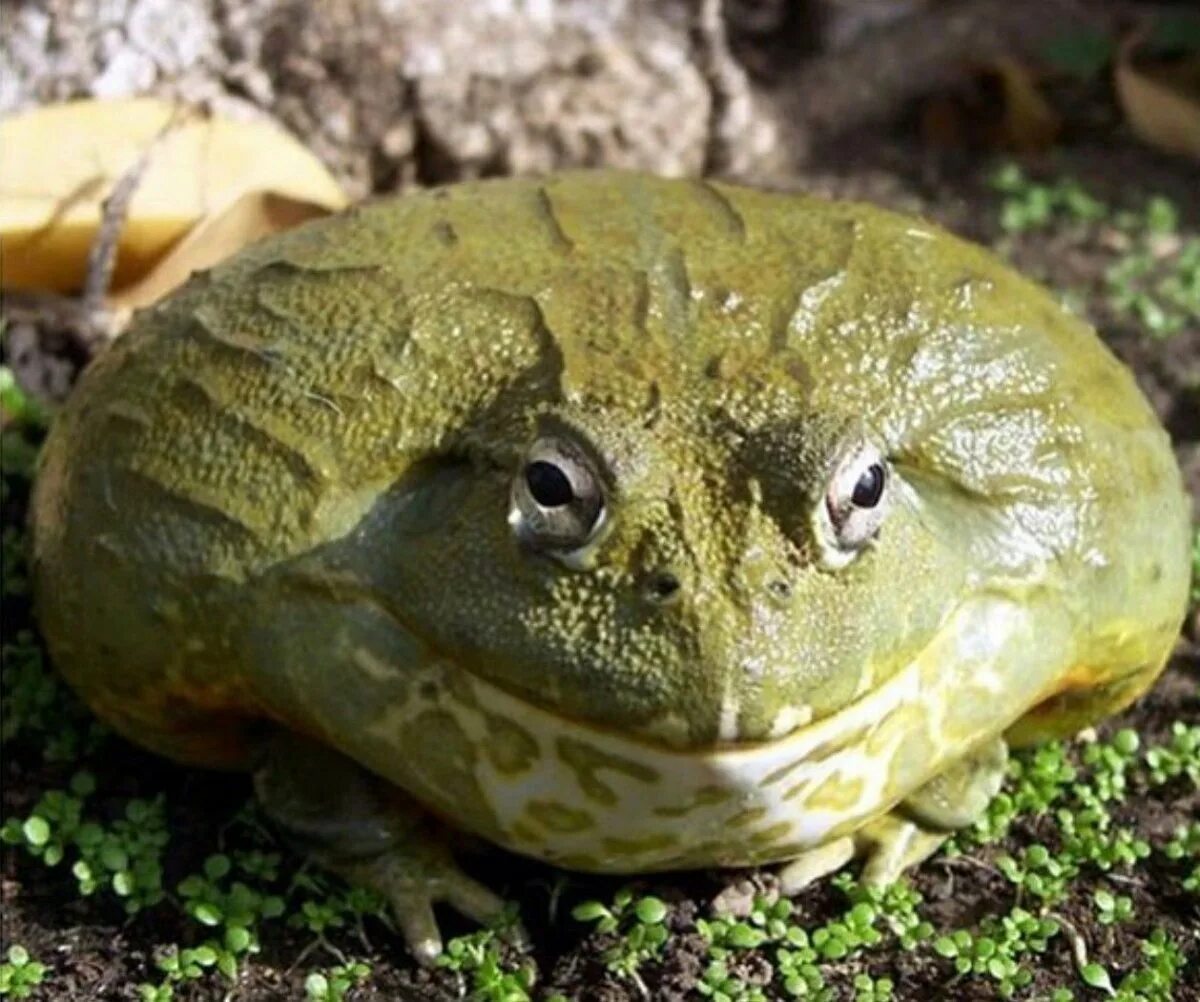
x: 412, y: 886
x: 816, y: 863
x: 894, y: 844
x: 413, y: 908
x: 889, y: 845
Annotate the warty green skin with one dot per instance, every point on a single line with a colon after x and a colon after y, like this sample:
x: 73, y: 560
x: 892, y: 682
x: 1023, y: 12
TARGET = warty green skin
x: 282, y: 497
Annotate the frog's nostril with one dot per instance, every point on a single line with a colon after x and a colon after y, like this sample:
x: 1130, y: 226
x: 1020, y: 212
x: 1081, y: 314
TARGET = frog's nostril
x: 779, y: 589
x: 661, y: 586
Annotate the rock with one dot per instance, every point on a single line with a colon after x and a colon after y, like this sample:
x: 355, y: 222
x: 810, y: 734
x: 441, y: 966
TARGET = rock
x: 391, y: 92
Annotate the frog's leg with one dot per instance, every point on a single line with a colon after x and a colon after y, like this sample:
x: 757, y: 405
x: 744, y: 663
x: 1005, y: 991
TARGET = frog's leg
x: 370, y: 834
x: 914, y: 829
x: 1080, y: 703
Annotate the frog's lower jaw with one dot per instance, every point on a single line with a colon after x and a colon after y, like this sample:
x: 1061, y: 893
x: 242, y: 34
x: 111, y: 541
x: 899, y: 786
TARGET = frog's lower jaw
x: 352, y: 824
x: 591, y: 799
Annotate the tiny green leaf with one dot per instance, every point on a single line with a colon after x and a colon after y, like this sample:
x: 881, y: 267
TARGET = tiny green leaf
x: 1096, y: 976
x: 36, y: 831
x: 650, y: 910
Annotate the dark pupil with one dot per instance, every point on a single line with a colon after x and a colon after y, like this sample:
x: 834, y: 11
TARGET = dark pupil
x: 869, y: 488
x: 548, y: 485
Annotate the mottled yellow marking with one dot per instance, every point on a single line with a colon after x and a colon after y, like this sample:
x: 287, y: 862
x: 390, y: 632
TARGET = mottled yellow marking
x: 912, y: 758
x: 643, y: 843
x: 558, y: 817
x: 706, y: 796
x: 782, y: 772
x: 835, y: 793
x: 788, y: 850
x: 769, y: 835
x: 447, y: 781
x: 798, y: 790
x: 376, y: 669
x: 525, y: 832
x: 509, y: 747
x: 852, y: 738
x: 700, y: 855
x: 458, y: 685
x: 586, y: 761
x: 906, y: 719
x: 747, y: 817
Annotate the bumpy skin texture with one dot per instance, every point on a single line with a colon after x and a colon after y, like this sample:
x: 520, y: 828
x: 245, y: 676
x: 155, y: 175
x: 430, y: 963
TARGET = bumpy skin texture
x: 283, y: 496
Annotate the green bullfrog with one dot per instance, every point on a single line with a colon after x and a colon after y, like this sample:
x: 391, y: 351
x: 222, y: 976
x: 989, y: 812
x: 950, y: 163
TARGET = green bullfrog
x: 630, y: 524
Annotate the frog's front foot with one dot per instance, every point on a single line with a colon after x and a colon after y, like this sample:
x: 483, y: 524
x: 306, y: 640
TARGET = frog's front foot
x: 914, y: 829
x: 889, y: 844
x: 414, y: 876
x: 371, y: 835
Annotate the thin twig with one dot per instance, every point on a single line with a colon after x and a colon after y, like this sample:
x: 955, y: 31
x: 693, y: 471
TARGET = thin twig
x: 102, y: 257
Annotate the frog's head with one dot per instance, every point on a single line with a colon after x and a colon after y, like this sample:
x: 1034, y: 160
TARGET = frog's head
x: 696, y: 470
x: 699, y: 545
x: 703, y: 559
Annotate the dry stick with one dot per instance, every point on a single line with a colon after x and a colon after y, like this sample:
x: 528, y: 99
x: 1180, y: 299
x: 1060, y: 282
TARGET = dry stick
x: 102, y: 256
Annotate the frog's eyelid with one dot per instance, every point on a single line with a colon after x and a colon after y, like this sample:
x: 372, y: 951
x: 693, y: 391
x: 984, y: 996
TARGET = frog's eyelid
x: 940, y: 503
x: 552, y: 425
x: 583, y: 557
x: 563, y: 531
x: 838, y: 547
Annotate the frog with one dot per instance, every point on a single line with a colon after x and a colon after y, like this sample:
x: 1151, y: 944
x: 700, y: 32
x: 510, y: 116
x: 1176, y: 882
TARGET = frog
x: 628, y: 523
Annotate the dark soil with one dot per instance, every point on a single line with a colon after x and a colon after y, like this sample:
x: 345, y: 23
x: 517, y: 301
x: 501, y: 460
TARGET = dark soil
x: 93, y: 952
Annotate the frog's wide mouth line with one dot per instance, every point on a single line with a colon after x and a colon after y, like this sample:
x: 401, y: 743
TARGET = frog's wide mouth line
x: 592, y: 798
x: 837, y: 727
x: 851, y: 722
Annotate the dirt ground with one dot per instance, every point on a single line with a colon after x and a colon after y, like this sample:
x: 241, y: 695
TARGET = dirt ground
x: 882, y: 155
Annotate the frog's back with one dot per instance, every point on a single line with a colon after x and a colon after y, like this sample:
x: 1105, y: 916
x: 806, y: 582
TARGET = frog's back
x: 263, y: 410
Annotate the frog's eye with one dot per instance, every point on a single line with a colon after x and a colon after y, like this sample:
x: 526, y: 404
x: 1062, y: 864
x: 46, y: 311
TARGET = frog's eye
x: 557, y: 500
x: 855, y: 504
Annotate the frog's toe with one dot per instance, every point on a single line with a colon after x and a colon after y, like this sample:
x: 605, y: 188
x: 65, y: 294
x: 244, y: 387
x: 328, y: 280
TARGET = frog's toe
x: 413, y: 882
x: 475, y: 901
x: 815, y: 863
x: 913, y: 831
x: 371, y: 836
x: 414, y: 913
x: 891, y: 845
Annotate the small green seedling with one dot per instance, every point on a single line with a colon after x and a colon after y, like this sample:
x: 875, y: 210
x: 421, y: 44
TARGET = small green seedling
x: 1112, y: 908
x: 487, y: 970
x: 20, y: 974
x: 638, y: 925
x: 332, y: 985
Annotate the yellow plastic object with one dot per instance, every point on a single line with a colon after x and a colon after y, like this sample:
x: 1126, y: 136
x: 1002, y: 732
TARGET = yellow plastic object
x: 59, y: 163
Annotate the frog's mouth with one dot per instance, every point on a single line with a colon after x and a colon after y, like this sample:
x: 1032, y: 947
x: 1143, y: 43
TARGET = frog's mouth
x: 565, y: 789
x: 976, y: 629
x: 963, y: 655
